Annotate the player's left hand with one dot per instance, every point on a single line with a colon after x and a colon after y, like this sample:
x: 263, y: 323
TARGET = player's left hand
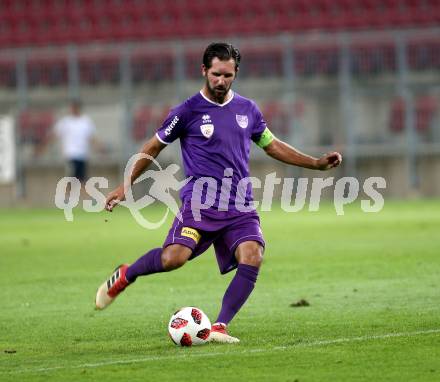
x: 329, y: 160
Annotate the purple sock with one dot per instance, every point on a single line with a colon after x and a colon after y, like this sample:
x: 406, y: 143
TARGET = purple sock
x: 146, y: 265
x: 238, y: 292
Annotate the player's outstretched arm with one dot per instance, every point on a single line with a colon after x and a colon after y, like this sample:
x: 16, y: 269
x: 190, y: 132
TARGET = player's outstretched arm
x: 152, y: 148
x: 285, y: 153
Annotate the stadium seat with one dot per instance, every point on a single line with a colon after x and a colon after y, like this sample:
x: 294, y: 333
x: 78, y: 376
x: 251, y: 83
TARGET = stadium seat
x: 277, y: 118
x: 64, y: 22
x: 259, y: 62
x: 424, y: 54
x: 152, y: 66
x: 141, y: 123
x: 7, y: 73
x: 397, y: 115
x: 47, y: 71
x: 147, y: 119
x: 37, y: 23
x: 373, y: 58
x: 35, y: 126
x: 425, y: 109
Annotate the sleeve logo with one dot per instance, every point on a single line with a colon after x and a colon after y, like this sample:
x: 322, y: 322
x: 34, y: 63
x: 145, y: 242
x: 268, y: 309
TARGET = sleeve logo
x: 170, y: 127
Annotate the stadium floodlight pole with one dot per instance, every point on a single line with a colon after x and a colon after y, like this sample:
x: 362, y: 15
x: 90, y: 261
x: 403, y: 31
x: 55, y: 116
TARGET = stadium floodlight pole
x: 126, y: 92
x: 22, y: 95
x: 409, y: 118
x: 73, y: 72
x: 289, y: 96
x: 346, y: 104
x: 289, y: 80
x: 179, y: 69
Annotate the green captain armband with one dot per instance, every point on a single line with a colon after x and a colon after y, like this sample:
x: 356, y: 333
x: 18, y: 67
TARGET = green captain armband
x: 266, y: 138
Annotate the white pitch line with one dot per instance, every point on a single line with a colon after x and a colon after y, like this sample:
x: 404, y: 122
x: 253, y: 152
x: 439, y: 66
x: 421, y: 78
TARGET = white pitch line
x: 243, y: 352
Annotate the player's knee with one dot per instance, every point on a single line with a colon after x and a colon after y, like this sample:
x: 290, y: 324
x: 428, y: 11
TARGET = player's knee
x: 250, y: 253
x: 174, y: 256
x: 255, y: 259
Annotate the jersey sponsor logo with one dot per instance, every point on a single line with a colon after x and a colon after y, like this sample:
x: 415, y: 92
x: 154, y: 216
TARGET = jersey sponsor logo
x: 191, y: 233
x: 242, y: 120
x: 170, y: 127
x: 206, y: 118
x: 207, y: 130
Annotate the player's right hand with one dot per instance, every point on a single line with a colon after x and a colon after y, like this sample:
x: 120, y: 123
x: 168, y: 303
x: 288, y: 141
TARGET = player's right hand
x: 114, y: 198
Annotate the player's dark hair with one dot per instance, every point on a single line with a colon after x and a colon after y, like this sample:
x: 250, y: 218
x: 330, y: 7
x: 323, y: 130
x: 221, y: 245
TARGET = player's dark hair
x: 223, y: 52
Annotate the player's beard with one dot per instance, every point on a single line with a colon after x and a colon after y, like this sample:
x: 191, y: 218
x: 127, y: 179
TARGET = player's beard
x: 218, y: 93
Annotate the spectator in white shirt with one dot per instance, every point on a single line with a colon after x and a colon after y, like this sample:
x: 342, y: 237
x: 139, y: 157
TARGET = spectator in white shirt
x: 77, y: 133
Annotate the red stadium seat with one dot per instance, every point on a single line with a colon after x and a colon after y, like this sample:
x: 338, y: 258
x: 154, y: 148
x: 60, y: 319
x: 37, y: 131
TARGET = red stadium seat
x: 147, y: 119
x: 99, y: 68
x: 397, y: 115
x: 152, y: 66
x: 35, y: 126
x: 7, y: 73
x: 276, y: 117
x: 424, y: 54
x: 133, y: 20
x: 425, y: 108
x: 141, y: 122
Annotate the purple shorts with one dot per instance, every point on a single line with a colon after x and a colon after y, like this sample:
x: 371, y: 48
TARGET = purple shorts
x: 226, y: 233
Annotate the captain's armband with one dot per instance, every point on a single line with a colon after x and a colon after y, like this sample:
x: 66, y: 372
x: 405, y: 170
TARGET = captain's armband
x: 266, y: 138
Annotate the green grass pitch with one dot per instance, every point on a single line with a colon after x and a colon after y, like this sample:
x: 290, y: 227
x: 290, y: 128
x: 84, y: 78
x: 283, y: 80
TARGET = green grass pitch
x: 372, y: 281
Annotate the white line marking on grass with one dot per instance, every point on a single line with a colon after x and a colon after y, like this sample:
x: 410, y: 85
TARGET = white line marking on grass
x: 243, y: 352
x: 357, y: 339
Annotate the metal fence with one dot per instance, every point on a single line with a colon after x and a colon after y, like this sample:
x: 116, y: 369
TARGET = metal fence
x: 367, y: 94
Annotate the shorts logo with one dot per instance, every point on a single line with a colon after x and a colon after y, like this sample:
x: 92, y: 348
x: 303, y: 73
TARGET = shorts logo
x: 207, y: 130
x: 242, y: 120
x: 191, y: 233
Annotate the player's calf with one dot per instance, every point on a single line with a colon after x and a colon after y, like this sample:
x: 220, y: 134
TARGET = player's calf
x: 174, y: 256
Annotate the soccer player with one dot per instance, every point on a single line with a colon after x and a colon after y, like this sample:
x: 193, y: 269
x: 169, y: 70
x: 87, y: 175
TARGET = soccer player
x: 215, y: 128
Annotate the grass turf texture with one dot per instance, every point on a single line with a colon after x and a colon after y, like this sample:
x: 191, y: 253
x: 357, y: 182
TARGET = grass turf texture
x: 365, y: 275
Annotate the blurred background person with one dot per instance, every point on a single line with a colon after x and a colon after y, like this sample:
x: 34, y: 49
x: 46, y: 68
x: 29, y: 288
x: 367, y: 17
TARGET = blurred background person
x: 76, y: 133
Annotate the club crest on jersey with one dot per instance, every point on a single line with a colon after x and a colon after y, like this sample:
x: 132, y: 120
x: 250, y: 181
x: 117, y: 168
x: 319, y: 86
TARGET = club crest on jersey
x: 242, y: 120
x: 207, y: 130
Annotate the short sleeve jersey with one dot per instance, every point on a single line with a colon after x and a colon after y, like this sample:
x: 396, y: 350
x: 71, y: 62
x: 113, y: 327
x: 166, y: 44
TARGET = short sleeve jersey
x: 75, y: 134
x: 215, y: 137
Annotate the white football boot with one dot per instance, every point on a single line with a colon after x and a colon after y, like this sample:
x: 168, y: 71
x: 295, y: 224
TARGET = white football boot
x: 111, y: 287
x: 220, y: 334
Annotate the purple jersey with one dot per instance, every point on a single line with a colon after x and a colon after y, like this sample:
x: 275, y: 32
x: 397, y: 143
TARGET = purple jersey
x: 213, y: 138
